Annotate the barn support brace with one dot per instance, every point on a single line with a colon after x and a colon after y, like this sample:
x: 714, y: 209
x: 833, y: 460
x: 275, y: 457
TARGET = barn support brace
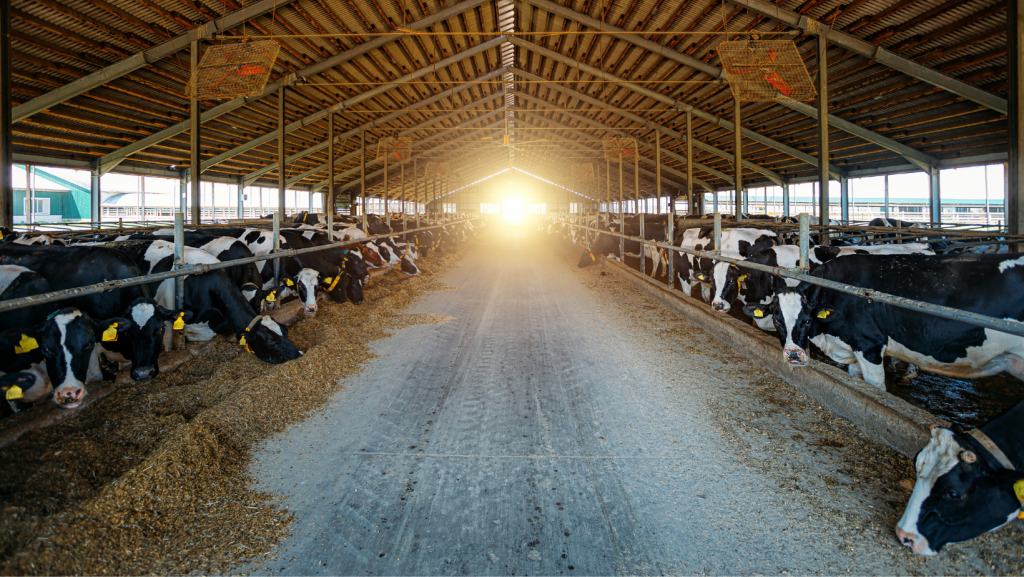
x: 622, y: 241
x: 280, y: 154
x: 785, y: 199
x: 6, y: 146
x: 823, y: 174
x: 195, y: 156
x: 1015, y: 166
x: 416, y: 188
x: 886, y: 208
x: 387, y: 207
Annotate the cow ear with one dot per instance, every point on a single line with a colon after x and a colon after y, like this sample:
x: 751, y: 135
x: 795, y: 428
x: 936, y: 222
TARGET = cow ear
x: 755, y: 310
x: 825, y: 314
x: 182, y: 314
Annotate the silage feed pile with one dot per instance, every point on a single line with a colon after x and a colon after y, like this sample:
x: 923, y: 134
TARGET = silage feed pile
x: 153, y: 479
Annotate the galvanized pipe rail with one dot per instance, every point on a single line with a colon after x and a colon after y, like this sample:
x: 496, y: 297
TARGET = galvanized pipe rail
x: 1002, y: 325
x: 186, y: 270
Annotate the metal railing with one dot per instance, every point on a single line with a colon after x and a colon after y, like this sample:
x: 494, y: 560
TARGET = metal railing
x: 1003, y: 325
x: 190, y: 269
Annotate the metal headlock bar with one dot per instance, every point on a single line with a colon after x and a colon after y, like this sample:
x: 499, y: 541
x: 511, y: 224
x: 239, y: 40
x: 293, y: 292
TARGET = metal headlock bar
x: 190, y: 269
x: 1002, y: 325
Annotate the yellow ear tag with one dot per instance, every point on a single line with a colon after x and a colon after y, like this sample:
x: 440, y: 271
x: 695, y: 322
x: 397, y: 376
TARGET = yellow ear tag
x: 26, y: 344
x: 289, y: 282
x: 179, y: 323
x: 743, y: 278
x: 242, y: 342
x: 271, y: 297
x: 823, y: 314
x: 592, y: 257
x: 327, y: 280
x: 1018, y: 488
x: 14, y: 393
x: 110, y: 334
x: 759, y: 313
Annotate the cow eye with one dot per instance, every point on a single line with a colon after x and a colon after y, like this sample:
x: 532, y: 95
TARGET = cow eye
x: 953, y: 495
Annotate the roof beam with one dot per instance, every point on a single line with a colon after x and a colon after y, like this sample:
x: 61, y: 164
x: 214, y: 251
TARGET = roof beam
x: 349, y: 103
x: 109, y: 161
x: 682, y: 106
x: 140, y: 59
x: 877, y: 54
x: 419, y: 126
x: 252, y: 176
x: 913, y: 155
x: 499, y: 125
x: 773, y: 176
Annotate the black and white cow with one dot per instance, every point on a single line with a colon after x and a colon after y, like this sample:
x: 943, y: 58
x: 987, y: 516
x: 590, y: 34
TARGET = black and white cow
x: 15, y: 389
x: 860, y: 333
x: 963, y: 489
x: 736, y: 242
x: 143, y: 338
x: 730, y: 282
x: 216, y: 304
x: 63, y: 345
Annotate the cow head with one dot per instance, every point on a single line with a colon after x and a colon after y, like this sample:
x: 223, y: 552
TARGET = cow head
x: 961, y: 492
x: 143, y: 338
x: 353, y: 263
x: 725, y: 284
x: 268, y: 341
x: 377, y: 226
x: 587, y: 258
x: 371, y: 255
x: 408, y: 266
x: 253, y: 295
x: 306, y: 282
x: 66, y: 341
x: 794, y: 321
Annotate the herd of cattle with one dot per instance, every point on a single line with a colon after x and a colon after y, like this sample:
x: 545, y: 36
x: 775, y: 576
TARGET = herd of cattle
x: 50, y: 351
x: 969, y: 482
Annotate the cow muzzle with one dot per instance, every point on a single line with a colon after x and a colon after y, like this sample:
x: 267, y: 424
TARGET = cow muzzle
x: 69, y: 396
x: 917, y: 543
x: 144, y: 373
x: 720, y: 306
x: 310, y: 310
x: 795, y: 356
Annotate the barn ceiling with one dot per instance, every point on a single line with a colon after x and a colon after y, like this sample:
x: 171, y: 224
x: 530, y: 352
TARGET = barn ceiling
x: 101, y: 83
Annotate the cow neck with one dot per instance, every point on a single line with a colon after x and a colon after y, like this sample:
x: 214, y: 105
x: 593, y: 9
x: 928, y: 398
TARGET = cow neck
x: 992, y: 448
x: 1005, y: 432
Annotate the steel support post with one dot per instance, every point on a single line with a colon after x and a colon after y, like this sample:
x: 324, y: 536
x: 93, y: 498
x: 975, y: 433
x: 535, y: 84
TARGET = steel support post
x: 823, y: 175
x: 670, y: 225
x: 195, y: 127
x: 6, y: 104
x: 405, y: 199
x: 695, y: 208
x: 934, y: 196
x: 785, y: 199
x: 1015, y: 101
x: 805, y: 226
x: 329, y: 203
x: 844, y: 198
x: 95, y: 207
x: 886, y: 209
x: 277, y: 247
x: 387, y: 208
x: 416, y: 189
x: 179, y: 259
x: 362, y: 177
x: 280, y: 155
x: 182, y: 194
x: 622, y: 241
x: 740, y: 198
x: 240, y: 209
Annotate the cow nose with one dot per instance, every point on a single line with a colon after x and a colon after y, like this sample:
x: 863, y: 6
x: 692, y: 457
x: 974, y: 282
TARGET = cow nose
x: 310, y: 310
x: 69, y: 397
x: 912, y: 540
x: 718, y: 306
x: 795, y: 356
x: 143, y: 373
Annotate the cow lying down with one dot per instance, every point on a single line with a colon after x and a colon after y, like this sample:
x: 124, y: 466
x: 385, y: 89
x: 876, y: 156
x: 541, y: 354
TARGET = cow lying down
x: 968, y: 483
x: 860, y: 333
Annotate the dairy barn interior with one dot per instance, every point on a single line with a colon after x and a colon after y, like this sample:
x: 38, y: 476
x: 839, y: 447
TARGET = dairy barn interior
x: 511, y: 287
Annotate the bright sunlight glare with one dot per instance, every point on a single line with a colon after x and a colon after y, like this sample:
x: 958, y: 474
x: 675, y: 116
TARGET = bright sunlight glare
x: 513, y: 209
